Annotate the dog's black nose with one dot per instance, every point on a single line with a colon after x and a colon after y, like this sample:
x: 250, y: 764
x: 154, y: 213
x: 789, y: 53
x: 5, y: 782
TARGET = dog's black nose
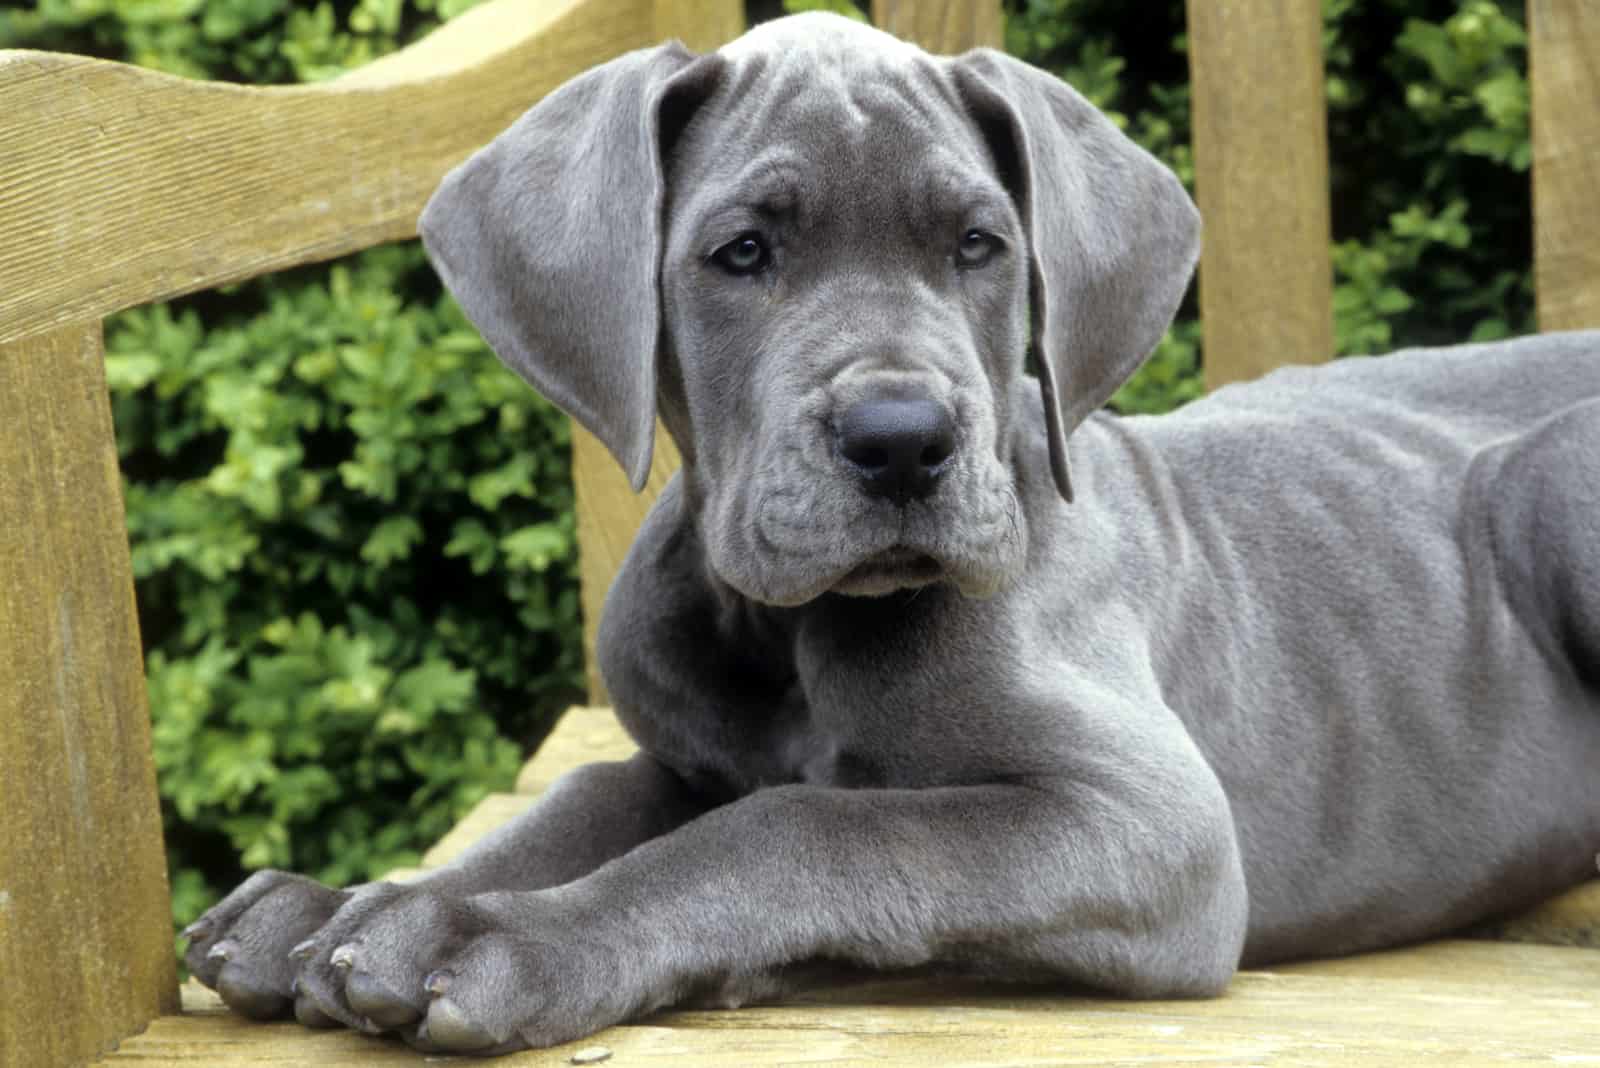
x: 898, y: 448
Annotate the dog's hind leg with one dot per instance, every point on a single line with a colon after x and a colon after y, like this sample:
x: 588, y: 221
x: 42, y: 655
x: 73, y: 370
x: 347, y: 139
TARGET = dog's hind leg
x: 1544, y: 519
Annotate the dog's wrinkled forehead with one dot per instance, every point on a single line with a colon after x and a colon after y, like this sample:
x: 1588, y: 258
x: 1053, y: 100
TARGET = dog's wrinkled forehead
x: 814, y: 96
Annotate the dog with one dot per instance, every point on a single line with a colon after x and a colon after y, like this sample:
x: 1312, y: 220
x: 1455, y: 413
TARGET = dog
x: 931, y: 663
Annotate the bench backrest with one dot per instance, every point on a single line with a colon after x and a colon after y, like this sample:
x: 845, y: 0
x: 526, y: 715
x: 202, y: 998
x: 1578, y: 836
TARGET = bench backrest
x: 119, y: 187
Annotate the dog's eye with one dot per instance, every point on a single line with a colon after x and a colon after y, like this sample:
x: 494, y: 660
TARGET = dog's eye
x: 975, y: 248
x: 745, y: 254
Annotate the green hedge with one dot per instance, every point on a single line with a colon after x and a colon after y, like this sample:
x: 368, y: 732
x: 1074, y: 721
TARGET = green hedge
x: 352, y: 530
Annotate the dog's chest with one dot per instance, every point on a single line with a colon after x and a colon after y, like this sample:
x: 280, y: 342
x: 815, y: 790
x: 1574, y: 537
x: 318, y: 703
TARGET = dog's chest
x: 798, y: 739
x: 861, y: 706
x: 879, y: 695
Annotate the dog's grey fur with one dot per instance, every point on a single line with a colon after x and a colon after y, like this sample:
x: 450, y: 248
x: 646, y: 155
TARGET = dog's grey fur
x: 1312, y: 666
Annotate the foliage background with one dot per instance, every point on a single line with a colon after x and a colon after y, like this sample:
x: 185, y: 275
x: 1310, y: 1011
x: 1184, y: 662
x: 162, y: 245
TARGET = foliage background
x: 352, y: 530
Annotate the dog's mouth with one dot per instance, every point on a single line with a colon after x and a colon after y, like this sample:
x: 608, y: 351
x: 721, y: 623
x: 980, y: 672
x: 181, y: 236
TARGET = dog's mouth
x: 898, y: 567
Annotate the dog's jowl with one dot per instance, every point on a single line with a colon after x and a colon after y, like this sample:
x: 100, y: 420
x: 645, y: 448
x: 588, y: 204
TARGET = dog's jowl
x: 932, y: 663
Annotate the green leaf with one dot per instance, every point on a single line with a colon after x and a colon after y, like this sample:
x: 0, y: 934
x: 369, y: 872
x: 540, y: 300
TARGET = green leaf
x: 535, y: 547
x: 391, y: 540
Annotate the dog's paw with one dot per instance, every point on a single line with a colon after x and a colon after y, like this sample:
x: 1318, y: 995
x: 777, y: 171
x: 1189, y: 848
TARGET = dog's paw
x: 241, y: 947
x: 459, y: 975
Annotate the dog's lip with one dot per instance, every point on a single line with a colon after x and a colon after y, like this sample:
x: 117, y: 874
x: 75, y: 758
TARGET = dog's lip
x: 898, y: 566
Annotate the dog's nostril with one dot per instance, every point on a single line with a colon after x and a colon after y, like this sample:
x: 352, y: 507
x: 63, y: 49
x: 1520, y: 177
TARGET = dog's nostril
x: 867, y: 457
x: 938, y: 452
x: 898, y: 448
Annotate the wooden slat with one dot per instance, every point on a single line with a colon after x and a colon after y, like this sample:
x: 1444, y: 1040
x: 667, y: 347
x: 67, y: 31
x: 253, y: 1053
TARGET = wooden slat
x: 1261, y: 175
x: 942, y: 26
x: 609, y: 514
x: 85, y: 931
x: 581, y: 736
x: 1455, y: 1004
x: 120, y: 186
x: 1564, y: 39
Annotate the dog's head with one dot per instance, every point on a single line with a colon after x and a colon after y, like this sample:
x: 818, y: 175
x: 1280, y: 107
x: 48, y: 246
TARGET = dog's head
x: 824, y: 256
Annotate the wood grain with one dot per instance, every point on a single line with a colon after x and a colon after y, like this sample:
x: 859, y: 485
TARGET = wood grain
x: 120, y: 186
x: 1456, y: 1004
x: 85, y: 931
x: 942, y: 26
x: 1261, y: 176
x: 1564, y: 65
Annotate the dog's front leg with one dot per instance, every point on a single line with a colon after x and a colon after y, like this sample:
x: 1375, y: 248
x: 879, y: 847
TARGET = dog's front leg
x: 243, y: 947
x: 1038, y: 880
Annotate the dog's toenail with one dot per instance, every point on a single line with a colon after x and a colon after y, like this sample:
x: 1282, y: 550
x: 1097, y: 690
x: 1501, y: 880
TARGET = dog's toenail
x: 343, y: 958
x: 223, y: 951
x: 304, y: 950
x: 437, y: 983
x: 197, y: 930
x: 294, y: 987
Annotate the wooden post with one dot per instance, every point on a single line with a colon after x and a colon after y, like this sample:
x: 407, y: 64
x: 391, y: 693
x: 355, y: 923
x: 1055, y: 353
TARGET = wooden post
x: 945, y: 26
x: 1261, y: 171
x: 1564, y: 62
x: 85, y: 928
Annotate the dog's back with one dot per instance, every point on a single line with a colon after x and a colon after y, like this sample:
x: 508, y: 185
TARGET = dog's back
x: 1383, y: 619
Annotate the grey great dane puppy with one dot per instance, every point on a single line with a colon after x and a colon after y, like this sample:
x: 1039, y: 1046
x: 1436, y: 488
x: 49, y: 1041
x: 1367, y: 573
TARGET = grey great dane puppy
x: 1310, y: 667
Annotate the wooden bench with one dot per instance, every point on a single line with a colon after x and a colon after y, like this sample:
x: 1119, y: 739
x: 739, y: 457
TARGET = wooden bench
x: 119, y: 187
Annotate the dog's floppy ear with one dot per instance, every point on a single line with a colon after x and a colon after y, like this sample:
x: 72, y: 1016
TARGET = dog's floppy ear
x: 550, y: 239
x: 1114, y: 235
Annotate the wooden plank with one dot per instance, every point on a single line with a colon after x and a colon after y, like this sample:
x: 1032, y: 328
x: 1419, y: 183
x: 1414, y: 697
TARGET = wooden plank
x: 1448, y: 1004
x: 581, y: 736
x: 1564, y: 65
x: 1261, y: 175
x: 942, y: 26
x: 120, y: 186
x: 85, y: 931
